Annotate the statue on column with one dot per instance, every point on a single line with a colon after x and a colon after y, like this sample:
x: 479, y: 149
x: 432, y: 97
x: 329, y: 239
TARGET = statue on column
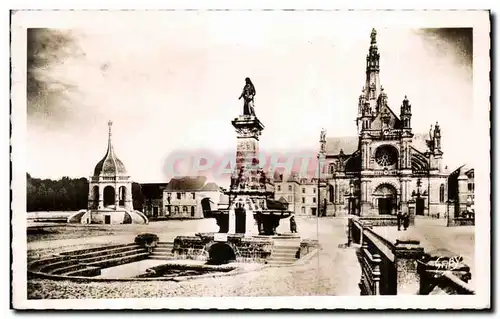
x: 322, y: 141
x: 248, y: 95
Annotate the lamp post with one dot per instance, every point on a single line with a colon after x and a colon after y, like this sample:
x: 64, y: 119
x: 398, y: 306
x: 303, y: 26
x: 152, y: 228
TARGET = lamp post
x: 318, y: 199
x: 351, y: 197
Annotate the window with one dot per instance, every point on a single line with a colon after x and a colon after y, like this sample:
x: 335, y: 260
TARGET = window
x: 303, y: 190
x: 314, y: 199
x: 289, y: 198
x: 314, y: 190
x: 194, y: 195
x: 289, y: 188
x: 167, y: 210
x: 331, y: 193
x: 470, y: 187
x: 303, y: 200
x: 313, y: 211
x: 303, y: 210
x: 178, y: 195
x: 441, y: 193
x: 192, y: 210
x: 331, y: 169
x: 184, y: 209
x: 279, y: 188
x: 176, y: 209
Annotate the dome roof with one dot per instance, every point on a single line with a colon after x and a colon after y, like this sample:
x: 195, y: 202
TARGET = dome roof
x: 110, y: 165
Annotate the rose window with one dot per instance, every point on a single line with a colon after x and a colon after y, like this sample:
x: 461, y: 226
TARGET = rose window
x: 386, y: 155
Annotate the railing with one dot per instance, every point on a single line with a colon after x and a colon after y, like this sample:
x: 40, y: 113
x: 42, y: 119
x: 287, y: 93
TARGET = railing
x: 401, y: 268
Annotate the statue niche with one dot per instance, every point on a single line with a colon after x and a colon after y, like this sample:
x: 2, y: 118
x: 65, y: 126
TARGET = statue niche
x: 248, y: 95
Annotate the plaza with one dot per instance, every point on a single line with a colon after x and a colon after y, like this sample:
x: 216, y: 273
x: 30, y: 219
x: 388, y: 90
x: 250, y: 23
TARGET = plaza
x: 333, y: 271
x: 335, y: 234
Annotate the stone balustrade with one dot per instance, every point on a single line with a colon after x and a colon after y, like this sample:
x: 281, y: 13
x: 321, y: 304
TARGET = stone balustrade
x: 403, y: 267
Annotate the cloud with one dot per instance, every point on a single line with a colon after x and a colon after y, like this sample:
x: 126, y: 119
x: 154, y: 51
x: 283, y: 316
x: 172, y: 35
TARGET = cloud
x: 47, y: 94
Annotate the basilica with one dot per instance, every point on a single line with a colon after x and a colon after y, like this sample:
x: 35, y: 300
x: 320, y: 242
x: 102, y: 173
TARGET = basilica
x: 387, y: 166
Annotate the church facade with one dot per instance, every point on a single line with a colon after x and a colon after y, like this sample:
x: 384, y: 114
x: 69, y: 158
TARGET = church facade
x: 387, y: 167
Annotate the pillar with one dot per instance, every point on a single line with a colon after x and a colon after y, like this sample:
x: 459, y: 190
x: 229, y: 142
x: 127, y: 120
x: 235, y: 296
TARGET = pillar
x: 232, y: 219
x: 117, y: 195
x: 250, y: 224
x: 129, y: 204
x: 406, y: 254
x: 101, y: 197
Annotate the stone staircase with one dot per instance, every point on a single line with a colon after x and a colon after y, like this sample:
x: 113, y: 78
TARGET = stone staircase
x: 163, y: 251
x: 283, y: 255
x: 89, y: 262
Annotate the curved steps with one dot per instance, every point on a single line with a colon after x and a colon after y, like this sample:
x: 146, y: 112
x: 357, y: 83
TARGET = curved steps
x: 88, y: 262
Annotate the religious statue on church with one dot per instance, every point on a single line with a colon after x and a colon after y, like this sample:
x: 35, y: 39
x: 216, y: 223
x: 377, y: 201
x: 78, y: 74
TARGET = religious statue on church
x: 248, y: 95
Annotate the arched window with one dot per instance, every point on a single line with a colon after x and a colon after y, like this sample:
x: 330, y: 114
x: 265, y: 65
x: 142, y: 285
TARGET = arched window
x: 184, y: 209
x: 441, y: 193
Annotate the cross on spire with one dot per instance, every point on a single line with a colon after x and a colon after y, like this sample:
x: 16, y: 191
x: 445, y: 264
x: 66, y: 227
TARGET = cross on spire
x: 110, y: 123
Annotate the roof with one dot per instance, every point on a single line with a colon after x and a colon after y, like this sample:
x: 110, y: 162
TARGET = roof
x: 211, y: 187
x: 110, y: 165
x: 464, y: 169
x: 349, y: 144
x: 191, y: 183
x: 153, y: 190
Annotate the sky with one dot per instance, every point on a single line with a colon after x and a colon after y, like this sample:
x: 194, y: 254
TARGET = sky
x: 173, y: 84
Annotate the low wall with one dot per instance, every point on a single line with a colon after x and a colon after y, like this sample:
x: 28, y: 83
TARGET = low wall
x: 307, y: 246
x: 402, y: 268
x: 461, y: 221
x: 245, y: 249
x: 384, y: 220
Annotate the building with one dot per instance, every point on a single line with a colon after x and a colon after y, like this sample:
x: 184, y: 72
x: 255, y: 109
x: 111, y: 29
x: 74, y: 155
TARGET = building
x: 300, y: 193
x: 386, y: 165
x: 182, y: 196
x: 110, y: 193
x: 152, y: 205
x: 461, y: 191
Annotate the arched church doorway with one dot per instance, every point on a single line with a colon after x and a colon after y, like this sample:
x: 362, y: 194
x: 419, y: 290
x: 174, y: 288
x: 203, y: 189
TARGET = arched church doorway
x: 95, y: 196
x: 121, y: 195
x: 386, y: 199
x: 109, y: 196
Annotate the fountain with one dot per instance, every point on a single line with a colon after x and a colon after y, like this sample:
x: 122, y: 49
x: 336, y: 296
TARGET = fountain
x: 247, y: 215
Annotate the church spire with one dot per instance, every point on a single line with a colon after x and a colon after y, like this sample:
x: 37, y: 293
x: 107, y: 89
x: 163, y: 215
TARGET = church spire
x: 372, y: 84
x: 110, y: 146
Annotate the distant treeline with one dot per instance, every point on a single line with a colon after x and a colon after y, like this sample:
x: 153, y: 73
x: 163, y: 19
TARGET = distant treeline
x: 65, y: 194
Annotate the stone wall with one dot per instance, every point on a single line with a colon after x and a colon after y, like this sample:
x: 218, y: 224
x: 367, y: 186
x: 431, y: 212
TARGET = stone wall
x: 402, y: 268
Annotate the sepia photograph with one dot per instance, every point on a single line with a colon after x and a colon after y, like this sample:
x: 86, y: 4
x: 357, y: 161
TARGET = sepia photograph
x: 315, y: 159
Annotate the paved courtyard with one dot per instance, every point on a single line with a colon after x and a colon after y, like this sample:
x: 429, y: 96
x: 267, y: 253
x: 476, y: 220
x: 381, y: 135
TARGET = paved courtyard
x: 334, y: 270
x: 325, y: 274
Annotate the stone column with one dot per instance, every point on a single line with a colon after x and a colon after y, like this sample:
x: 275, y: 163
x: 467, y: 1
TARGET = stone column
x: 117, y: 195
x: 101, y: 197
x: 129, y: 204
x: 250, y: 224
x: 232, y: 218
x: 406, y: 254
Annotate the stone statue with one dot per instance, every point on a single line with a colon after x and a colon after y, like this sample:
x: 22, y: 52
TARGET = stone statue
x: 373, y: 36
x: 248, y: 95
x: 323, y: 135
